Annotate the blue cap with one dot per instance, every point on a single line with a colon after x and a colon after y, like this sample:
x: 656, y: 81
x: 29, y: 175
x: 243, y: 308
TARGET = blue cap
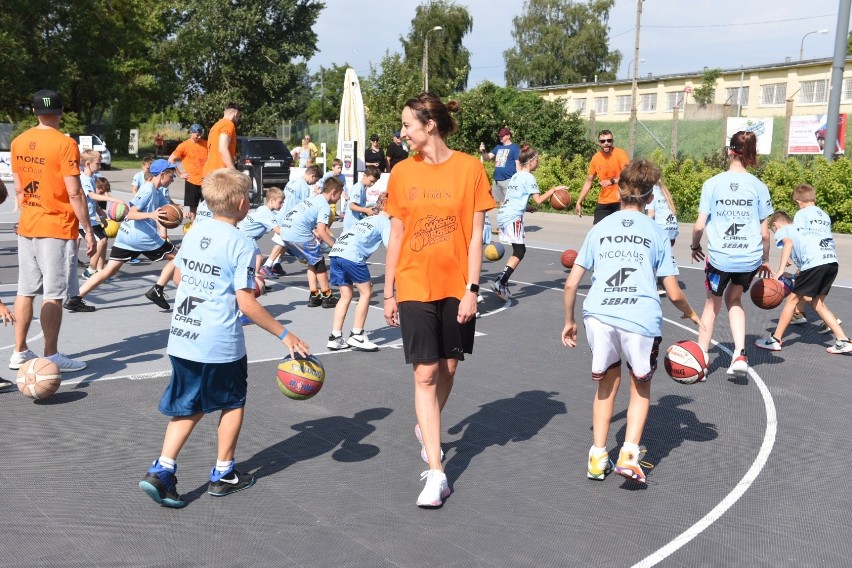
x: 196, y: 128
x: 396, y: 134
x: 159, y: 166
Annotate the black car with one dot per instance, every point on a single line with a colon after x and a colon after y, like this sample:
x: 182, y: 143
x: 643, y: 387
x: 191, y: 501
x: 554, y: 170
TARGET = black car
x: 266, y: 160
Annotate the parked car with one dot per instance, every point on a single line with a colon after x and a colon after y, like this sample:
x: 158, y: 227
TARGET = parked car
x: 100, y: 146
x: 266, y: 160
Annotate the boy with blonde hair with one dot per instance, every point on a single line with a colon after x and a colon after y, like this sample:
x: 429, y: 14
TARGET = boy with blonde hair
x: 91, y: 160
x: 296, y: 191
x: 206, y: 343
x: 143, y: 175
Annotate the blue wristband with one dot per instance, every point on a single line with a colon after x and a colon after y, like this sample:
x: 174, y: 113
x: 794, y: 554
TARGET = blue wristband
x: 283, y: 334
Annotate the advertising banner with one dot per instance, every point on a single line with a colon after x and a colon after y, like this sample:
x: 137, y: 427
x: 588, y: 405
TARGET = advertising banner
x: 807, y: 134
x: 762, y: 127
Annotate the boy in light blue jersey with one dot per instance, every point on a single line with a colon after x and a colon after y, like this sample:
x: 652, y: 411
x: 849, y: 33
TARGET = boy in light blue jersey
x: 91, y: 160
x: 215, y: 277
x: 140, y: 177
x: 303, y: 230
x: 357, y: 204
x: 337, y: 172
x: 296, y: 191
x: 349, y: 268
x: 816, y: 258
x: 262, y: 220
x: 662, y: 210
x: 622, y: 313
x: 138, y: 234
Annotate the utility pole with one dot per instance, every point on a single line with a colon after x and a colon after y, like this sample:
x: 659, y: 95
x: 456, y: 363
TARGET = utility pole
x: 635, y: 91
x: 831, y: 148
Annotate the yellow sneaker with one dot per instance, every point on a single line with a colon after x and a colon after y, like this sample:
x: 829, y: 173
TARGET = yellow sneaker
x: 599, y: 466
x: 628, y: 465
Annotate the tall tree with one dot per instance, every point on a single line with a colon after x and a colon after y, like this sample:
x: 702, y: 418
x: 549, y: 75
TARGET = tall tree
x: 449, y: 59
x: 385, y: 91
x: 326, y: 92
x: 561, y: 41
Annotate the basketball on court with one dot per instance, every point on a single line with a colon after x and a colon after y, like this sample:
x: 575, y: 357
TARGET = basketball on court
x: 568, y: 258
x: 186, y: 228
x: 170, y: 216
x: 560, y: 199
x: 300, y: 378
x: 39, y: 378
x: 111, y: 228
x: 259, y: 286
x: 767, y: 293
x: 494, y: 252
x: 117, y: 211
x: 685, y: 362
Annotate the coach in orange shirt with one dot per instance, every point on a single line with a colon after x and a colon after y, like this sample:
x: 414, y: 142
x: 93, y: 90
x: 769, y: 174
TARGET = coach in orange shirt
x: 192, y: 155
x: 222, y: 141
x: 46, y: 171
x: 606, y: 165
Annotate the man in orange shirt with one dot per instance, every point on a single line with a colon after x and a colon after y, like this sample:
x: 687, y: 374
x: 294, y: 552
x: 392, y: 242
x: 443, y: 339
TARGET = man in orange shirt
x: 192, y: 155
x: 606, y: 165
x: 46, y: 171
x: 222, y: 142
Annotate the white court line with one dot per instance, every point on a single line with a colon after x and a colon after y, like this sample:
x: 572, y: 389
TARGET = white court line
x: 741, y: 487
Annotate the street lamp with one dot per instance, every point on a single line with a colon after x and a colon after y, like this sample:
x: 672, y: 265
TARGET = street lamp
x: 802, y: 45
x: 629, y: 65
x: 426, y: 58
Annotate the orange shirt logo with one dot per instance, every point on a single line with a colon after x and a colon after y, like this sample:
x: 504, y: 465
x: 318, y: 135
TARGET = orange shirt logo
x: 432, y: 230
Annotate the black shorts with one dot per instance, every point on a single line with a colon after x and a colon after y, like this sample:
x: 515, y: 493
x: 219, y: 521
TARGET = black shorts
x: 191, y: 194
x: 431, y: 331
x: 604, y: 210
x: 97, y: 231
x: 125, y: 255
x: 716, y: 280
x: 815, y: 281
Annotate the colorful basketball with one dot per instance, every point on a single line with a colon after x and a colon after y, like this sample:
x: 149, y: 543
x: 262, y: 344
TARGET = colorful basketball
x: 686, y: 362
x: 111, y: 228
x: 39, y: 378
x: 170, y: 216
x: 560, y: 199
x: 259, y: 286
x: 300, y: 378
x: 494, y: 251
x: 767, y: 293
x: 117, y: 210
x: 568, y: 258
x: 186, y: 228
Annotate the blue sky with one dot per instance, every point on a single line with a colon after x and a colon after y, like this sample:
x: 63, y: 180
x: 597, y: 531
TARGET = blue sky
x: 699, y: 33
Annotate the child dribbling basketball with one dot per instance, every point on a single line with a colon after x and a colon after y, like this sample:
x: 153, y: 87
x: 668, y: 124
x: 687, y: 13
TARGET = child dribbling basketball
x: 215, y: 270
x: 622, y: 313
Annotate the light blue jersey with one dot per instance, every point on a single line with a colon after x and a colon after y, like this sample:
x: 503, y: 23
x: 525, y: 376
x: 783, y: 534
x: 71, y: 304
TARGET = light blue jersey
x: 258, y: 222
x: 362, y: 240
x: 663, y: 215
x: 215, y: 260
x: 813, y: 219
x: 202, y: 212
x: 138, y: 180
x: 809, y: 248
x: 736, y: 203
x: 296, y: 191
x: 627, y: 252
x: 298, y: 226
x: 88, y: 183
x: 521, y: 186
x: 357, y: 196
x: 142, y: 234
x: 340, y: 177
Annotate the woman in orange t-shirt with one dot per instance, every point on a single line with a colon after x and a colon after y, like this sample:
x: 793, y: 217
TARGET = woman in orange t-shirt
x: 437, y: 202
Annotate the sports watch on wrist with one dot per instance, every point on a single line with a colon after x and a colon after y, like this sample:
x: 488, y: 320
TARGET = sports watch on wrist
x: 473, y: 288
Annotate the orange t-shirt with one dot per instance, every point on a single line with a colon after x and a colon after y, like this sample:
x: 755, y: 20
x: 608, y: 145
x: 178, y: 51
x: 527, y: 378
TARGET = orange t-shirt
x: 192, y: 156
x: 609, y: 167
x: 436, y: 203
x: 214, y: 159
x: 42, y: 157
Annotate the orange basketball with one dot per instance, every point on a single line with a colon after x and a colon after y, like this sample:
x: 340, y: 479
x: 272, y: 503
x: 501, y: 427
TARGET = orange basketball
x: 560, y: 199
x: 39, y: 378
x: 767, y: 293
x: 170, y: 216
x: 568, y: 258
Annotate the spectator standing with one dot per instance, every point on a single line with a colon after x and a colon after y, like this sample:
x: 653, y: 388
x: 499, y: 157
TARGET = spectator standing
x: 606, y: 165
x: 396, y: 151
x: 505, y: 156
x: 159, y: 144
x: 374, y: 156
x: 192, y: 155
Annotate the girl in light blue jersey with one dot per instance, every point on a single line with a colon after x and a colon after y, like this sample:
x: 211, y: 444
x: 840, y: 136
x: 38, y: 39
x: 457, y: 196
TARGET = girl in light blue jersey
x: 662, y: 210
x: 734, y: 210
x: 622, y: 313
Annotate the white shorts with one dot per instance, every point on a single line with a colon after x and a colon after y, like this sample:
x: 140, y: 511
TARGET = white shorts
x: 513, y: 233
x: 276, y: 238
x: 609, y: 343
x: 47, y: 267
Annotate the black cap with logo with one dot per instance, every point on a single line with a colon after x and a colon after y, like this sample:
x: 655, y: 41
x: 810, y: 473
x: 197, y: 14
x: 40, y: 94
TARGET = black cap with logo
x: 47, y: 102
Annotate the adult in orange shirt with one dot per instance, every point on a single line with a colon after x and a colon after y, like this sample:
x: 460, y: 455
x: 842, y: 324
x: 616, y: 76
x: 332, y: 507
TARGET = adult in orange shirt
x: 437, y: 202
x: 46, y: 171
x: 192, y: 155
x: 606, y: 165
x: 222, y: 141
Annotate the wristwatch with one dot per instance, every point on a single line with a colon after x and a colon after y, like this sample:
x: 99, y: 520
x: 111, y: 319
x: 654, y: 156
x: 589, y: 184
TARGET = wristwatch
x: 473, y: 288
x: 612, y: 181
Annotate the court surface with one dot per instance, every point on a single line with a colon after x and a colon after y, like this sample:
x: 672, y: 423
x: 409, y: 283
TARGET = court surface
x: 748, y: 473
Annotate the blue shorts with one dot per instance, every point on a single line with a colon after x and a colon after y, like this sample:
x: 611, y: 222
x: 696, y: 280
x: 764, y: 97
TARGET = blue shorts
x: 346, y: 273
x: 309, y: 252
x: 204, y: 387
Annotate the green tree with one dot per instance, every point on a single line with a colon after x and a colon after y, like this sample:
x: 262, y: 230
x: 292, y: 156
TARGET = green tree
x: 326, y: 93
x: 385, y: 91
x: 449, y: 59
x: 559, y: 42
x: 704, y: 94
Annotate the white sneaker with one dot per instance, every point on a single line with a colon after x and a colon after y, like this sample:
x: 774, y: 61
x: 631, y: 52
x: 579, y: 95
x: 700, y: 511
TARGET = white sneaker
x: 336, y: 343
x: 798, y: 319
x: 18, y: 358
x: 842, y: 346
x: 479, y: 299
x: 823, y: 327
x: 66, y: 364
x: 360, y: 341
x: 423, y: 455
x: 437, y: 489
x: 739, y: 366
x: 770, y: 344
x: 4, y: 384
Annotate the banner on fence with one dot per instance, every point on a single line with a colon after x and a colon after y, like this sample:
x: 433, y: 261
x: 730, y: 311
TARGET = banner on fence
x: 807, y: 134
x: 762, y: 128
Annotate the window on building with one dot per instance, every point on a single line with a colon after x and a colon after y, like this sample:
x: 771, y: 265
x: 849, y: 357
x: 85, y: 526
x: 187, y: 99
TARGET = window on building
x: 733, y: 94
x: 813, y: 91
x: 847, y: 89
x: 580, y: 105
x: 601, y: 105
x: 648, y: 102
x: 773, y: 94
x: 622, y: 103
x: 674, y: 99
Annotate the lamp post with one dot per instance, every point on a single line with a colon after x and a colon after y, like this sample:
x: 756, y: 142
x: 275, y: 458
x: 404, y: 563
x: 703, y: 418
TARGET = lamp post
x: 426, y: 58
x: 641, y: 60
x: 802, y: 45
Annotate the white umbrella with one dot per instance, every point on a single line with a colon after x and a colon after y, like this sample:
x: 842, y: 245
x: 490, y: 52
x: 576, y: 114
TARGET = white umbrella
x: 353, y: 121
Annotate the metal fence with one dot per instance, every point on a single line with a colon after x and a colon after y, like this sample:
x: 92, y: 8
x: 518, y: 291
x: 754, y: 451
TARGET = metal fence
x: 292, y: 131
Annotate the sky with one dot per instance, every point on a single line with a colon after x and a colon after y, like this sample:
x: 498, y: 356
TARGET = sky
x: 677, y: 36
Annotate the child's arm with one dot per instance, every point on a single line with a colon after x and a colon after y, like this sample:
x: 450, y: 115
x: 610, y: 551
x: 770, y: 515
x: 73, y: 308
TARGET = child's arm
x: 324, y: 234
x: 786, y: 250
x: 572, y: 284
x: 697, y: 233
x: 5, y: 314
x: 540, y: 198
x: 253, y: 310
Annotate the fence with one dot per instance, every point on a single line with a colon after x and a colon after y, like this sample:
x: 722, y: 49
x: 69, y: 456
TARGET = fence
x: 292, y: 131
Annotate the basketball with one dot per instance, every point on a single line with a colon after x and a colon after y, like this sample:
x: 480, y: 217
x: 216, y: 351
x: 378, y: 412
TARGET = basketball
x: 186, y: 228
x: 259, y: 286
x: 117, y: 211
x: 767, y: 293
x: 300, y: 378
x: 568, y: 258
x: 111, y: 228
x: 494, y: 252
x: 560, y: 199
x: 39, y: 378
x: 685, y: 362
x: 170, y: 216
